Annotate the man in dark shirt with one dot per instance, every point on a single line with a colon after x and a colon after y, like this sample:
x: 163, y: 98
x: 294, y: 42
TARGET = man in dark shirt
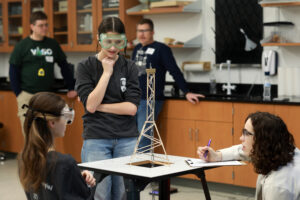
x: 152, y: 54
x: 32, y: 64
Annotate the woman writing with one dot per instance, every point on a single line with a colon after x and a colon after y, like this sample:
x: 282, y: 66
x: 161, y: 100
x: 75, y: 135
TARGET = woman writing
x: 270, y: 147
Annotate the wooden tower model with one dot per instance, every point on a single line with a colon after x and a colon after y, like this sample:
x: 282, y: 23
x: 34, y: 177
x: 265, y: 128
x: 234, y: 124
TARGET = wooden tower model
x: 149, y: 125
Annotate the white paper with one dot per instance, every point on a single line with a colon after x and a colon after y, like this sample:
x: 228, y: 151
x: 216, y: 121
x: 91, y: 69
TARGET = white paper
x: 202, y: 163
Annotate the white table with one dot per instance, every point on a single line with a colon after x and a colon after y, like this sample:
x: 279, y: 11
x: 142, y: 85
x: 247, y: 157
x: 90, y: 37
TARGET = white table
x: 136, y: 177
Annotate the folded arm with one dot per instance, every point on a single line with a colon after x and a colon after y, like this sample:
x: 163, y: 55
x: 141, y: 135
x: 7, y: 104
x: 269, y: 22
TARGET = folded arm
x: 123, y: 108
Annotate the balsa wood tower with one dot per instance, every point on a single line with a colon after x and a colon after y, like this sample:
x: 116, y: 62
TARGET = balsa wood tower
x: 147, y: 152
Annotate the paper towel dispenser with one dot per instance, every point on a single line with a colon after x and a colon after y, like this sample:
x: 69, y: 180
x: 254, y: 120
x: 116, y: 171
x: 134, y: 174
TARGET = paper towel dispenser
x: 195, y: 66
x: 270, y: 62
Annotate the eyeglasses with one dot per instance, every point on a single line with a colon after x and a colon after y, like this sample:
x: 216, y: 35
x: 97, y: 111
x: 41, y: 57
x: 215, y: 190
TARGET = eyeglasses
x: 108, y: 40
x: 42, y: 25
x: 246, y: 133
x: 68, y: 114
x: 143, y: 30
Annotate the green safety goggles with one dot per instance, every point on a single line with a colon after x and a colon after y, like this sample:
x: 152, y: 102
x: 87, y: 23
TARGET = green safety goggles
x: 108, y: 40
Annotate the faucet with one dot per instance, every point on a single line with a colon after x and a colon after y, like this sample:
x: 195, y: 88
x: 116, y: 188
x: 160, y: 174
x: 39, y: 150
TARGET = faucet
x: 227, y: 87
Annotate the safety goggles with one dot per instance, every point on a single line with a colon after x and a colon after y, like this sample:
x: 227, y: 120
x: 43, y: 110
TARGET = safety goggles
x: 68, y: 114
x: 108, y: 40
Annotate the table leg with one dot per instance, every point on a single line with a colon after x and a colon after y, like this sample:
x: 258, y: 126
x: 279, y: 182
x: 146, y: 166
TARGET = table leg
x: 164, y: 189
x: 99, y: 177
x: 133, y: 188
x: 201, y: 175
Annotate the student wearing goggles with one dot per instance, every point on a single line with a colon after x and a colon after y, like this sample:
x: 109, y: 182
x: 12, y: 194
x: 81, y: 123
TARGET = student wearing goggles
x: 67, y: 114
x: 107, y: 40
x: 39, y: 164
x: 107, y: 84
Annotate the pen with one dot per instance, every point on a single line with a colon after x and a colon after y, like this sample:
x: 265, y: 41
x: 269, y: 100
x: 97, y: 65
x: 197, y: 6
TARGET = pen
x: 206, y: 152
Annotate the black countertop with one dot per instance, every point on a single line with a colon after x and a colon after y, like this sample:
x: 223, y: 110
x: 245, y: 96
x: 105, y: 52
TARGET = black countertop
x: 245, y: 93
x: 58, y: 86
x: 242, y: 99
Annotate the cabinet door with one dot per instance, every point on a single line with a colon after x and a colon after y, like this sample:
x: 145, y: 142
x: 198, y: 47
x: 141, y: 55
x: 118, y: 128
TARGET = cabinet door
x: 16, y: 22
x: 244, y: 175
x: 178, y: 136
x: 204, y: 110
x: 221, y: 135
x: 11, y: 138
x: 59, y: 25
x: 84, y: 29
x: 290, y: 115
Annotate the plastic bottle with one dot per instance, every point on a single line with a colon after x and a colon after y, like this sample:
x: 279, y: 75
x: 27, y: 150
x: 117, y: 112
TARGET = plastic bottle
x: 267, y: 89
x: 212, y: 83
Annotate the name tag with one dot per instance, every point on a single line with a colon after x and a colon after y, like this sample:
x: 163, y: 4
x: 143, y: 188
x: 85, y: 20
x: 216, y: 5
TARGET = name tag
x: 49, y: 59
x: 150, y: 51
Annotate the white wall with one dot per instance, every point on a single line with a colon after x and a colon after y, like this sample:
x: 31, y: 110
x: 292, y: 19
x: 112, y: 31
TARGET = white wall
x: 185, y: 26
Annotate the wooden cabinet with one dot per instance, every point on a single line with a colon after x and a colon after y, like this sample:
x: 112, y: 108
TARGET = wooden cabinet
x: 221, y: 135
x: 15, y: 20
x: 73, y: 23
x: 184, y: 126
x: 12, y: 22
x: 290, y: 115
x: 11, y: 137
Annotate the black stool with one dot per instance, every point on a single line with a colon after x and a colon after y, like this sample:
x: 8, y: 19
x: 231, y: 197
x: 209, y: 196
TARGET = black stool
x: 2, y: 155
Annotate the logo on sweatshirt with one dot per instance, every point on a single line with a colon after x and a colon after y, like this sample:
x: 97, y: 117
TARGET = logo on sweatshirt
x: 41, y: 72
x: 123, y: 84
x: 41, y: 52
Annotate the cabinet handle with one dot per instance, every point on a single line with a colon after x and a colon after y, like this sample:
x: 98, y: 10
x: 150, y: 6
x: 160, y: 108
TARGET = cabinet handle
x: 71, y: 44
x: 197, y: 134
x: 190, y: 134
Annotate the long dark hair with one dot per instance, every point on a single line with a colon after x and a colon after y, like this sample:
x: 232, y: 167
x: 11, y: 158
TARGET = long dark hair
x: 273, y: 144
x: 42, y: 107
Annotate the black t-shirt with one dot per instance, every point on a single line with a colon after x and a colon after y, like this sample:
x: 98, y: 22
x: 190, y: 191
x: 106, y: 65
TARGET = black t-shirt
x: 63, y: 182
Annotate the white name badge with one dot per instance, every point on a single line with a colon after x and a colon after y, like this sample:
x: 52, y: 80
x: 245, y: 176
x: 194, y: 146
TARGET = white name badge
x: 49, y: 59
x: 150, y: 51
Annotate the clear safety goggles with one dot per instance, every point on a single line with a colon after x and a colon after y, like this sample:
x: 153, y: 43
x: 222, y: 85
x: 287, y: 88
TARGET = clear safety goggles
x: 117, y: 40
x: 68, y: 114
